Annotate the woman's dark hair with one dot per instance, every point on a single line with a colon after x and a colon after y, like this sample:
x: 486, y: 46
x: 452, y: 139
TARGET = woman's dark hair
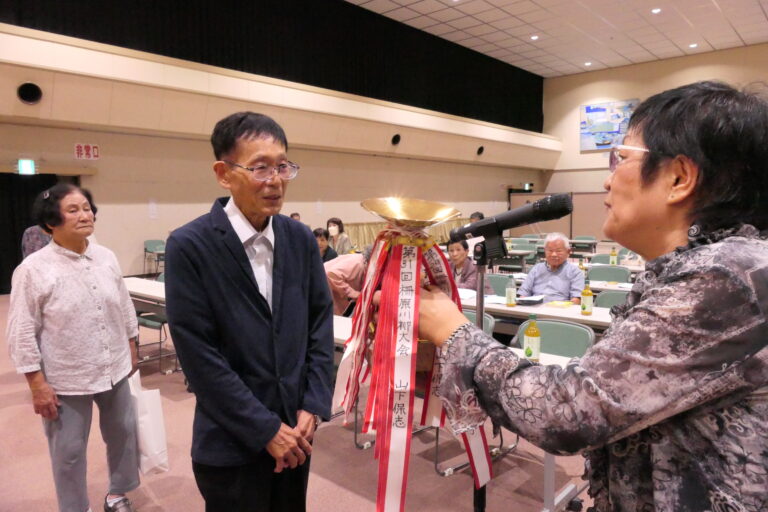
x: 723, y: 131
x: 337, y: 221
x: 46, y: 210
x: 477, y: 215
x: 321, y: 232
x: 232, y: 128
x: 463, y: 243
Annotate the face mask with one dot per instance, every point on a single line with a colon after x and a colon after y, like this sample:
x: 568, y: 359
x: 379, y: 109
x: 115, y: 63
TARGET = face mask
x: 333, y: 230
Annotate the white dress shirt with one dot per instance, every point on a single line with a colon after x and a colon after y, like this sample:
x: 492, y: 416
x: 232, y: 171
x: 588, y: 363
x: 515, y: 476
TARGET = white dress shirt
x: 259, y: 247
x: 71, y: 317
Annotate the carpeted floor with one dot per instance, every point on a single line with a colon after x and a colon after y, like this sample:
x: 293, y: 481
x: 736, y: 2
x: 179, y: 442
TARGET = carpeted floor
x: 343, y: 478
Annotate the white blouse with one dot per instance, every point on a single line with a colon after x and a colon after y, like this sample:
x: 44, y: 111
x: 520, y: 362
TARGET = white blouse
x: 71, y: 317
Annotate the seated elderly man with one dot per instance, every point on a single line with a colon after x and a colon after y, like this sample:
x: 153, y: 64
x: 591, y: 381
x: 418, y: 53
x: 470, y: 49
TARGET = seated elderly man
x: 554, y: 278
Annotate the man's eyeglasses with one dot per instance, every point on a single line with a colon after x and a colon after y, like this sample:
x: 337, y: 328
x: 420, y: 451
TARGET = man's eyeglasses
x: 261, y: 172
x: 615, y: 159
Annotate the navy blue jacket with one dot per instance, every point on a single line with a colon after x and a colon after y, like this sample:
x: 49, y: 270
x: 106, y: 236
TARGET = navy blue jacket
x: 251, y: 368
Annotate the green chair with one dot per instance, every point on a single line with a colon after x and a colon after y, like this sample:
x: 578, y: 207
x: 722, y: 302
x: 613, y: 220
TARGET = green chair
x: 626, y: 253
x: 154, y: 250
x: 532, y: 236
x: 488, y: 321
x: 499, y: 283
x: 610, y: 298
x: 601, y: 258
x: 561, y: 338
x: 516, y: 241
x: 156, y: 322
x: 583, y: 247
x: 610, y: 273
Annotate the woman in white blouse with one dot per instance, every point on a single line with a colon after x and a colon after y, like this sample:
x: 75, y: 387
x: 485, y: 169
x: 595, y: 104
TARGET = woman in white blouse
x: 71, y: 331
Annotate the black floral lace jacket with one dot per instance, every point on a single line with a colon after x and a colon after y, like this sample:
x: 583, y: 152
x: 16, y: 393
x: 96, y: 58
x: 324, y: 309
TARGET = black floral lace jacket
x: 670, y: 408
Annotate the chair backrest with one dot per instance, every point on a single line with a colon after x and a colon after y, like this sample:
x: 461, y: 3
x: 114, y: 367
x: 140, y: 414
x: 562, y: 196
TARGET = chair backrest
x: 498, y: 283
x: 520, y: 240
x: 161, y: 277
x: 601, y: 258
x: 488, y: 321
x: 154, y: 245
x: 531, y: 258
x: 610, y: 298
x: 583, y: 237
x: 626, y: 253
x: 609, y: 273
x: 561, y: 338
x: 532, y: 236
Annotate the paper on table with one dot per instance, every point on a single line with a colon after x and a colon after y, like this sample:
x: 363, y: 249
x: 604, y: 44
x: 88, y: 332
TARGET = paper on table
x: 625, y: 286
x: 495, y: 299
x: 560, y: 303
x: 466, y: 293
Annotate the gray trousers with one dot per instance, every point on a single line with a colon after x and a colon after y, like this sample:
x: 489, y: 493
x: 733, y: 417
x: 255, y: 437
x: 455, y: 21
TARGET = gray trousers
x: 68, y: 441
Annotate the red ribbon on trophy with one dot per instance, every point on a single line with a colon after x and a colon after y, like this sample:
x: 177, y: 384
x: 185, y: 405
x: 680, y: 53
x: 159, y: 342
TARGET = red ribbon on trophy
x: 403, y: 258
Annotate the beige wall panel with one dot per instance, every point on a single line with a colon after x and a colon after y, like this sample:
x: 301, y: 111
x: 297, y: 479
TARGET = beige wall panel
x: 219, y: 108
x: 183, y: 112
x: 81, y: 99
x: 136, y: 106
x: 148, y: 185
x: 589, y: 215
x: 576, y: 181
x: 564, y: 95
x: 11, y: 77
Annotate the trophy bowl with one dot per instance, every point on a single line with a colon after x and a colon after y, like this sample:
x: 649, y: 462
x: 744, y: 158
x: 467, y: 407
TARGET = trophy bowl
x: 405, y: 212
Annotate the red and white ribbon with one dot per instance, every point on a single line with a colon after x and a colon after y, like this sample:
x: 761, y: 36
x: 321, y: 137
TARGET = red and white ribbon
x: 397, y: 260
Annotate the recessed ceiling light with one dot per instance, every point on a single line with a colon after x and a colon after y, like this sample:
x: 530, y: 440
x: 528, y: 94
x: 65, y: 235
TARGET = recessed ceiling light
x: 587, y: 63
x: 693, y: 45
x: 654, y: 11
x: 534, y: 38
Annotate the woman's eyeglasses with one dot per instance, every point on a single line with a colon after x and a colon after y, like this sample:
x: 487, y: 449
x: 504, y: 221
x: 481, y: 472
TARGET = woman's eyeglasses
x: 615, y: 159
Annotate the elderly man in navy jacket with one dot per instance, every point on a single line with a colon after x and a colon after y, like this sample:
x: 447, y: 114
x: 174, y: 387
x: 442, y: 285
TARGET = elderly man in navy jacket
x: 251, y: 318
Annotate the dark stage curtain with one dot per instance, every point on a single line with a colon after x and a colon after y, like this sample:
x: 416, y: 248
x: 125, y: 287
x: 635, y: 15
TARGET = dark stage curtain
x: 17, y: 193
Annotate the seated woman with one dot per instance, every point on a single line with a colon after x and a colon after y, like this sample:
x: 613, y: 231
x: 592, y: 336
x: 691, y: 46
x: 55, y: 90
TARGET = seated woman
x: 670, y: 406
x: 326, y: 251
x: 339, y: 240
x: 463, y: 268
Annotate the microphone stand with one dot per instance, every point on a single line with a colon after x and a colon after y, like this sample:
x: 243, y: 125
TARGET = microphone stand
x: 481, y: 260
x: 496, y: 247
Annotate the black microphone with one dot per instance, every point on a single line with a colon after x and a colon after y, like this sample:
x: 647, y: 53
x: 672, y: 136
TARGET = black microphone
x: 547, y: 208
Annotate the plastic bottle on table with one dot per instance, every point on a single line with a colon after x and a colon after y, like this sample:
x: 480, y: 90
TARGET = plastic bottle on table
x: 532, y: 340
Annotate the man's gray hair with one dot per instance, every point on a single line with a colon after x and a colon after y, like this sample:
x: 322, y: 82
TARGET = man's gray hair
x: 551, y: 237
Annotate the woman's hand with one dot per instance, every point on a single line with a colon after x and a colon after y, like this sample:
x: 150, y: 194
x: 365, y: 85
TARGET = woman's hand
x: 44, y: 398
x: 133, y: 343
x: 438, y: 316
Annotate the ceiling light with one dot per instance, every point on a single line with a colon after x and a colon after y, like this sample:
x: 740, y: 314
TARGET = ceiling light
x: 533, y: 38
x: 587, y: 63
x: 655, y: 10
x: 693, y: 45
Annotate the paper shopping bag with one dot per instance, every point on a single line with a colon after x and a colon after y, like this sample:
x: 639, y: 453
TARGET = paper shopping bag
x: 150, y: 427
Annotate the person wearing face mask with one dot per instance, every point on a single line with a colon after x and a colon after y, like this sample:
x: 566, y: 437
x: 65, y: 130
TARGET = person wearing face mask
x: 72, y: 332
x: 251, y: 318
x: 339, y: 240
x: 555, y: 278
